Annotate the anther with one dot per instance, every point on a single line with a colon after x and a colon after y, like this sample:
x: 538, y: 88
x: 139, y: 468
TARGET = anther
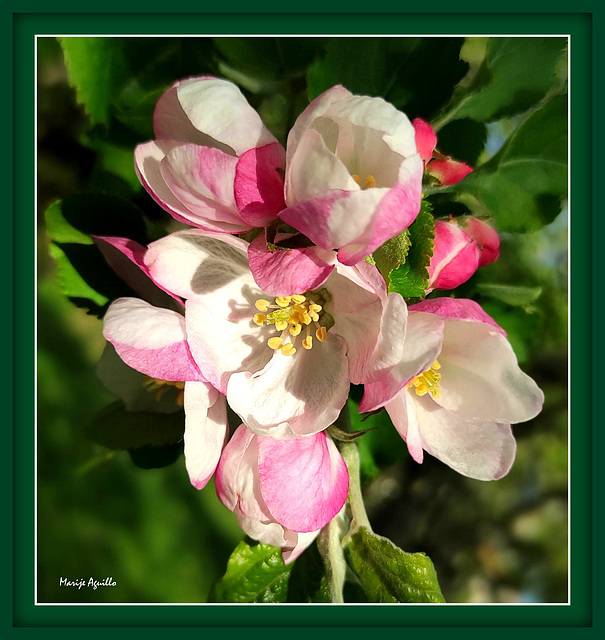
x: 321, y: 334
x: 295, y: 329
x: 280, y: 325
x: 283, y: 301
x: 275, y: 343
x: 262, y: 305
x: 298, y: 298
x: 288, y: 349
x: 307, y: 343
x: 259, y: 319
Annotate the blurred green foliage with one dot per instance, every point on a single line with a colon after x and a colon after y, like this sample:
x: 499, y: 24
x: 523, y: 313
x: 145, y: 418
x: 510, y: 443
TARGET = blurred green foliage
x: 156, y: 536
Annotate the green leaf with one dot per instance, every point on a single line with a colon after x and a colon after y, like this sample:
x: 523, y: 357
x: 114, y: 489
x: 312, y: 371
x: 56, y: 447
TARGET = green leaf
x: 85, y: 276
x: 516, y: 74
x: 463, y: 140
x: 255, y: 573
x: 411, y: 278
x: 117, y: 428
x: 392, y: 254
x: 96, y: 66
x: 388, y: 574
x: 513, y: 295
x: 524, y: 184
x: 417, y: 75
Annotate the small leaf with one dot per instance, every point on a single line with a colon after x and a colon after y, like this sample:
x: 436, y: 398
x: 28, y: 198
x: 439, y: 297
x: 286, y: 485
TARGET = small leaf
x: 392, y: 254
x: 117, y: 428
x: 388, y: 574
x: 411, y: 279
x: 345, y: 436
x: 255, y: 573
x: 513, y: 295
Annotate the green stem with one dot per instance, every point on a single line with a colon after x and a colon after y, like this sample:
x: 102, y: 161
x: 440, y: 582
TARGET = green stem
x: 350, y: 454
x: 329, y: 544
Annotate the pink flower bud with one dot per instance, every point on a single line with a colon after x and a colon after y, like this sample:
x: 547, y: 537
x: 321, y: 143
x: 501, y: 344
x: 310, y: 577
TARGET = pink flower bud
x: 455, y: 256
x: 486, y: 238
x: 426, y: 139
x: 448, y: 171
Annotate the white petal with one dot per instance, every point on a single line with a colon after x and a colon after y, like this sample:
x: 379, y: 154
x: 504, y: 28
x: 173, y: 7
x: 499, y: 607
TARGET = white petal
x: 306, y: 391
x: 205, y: 431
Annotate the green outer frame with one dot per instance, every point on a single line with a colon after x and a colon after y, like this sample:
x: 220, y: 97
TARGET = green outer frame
x: 24, y: 613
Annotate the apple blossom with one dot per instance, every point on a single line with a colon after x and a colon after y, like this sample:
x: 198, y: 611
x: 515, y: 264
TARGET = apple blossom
x: 214, y: 164
x: 353, y: 175
x: 282, y: 491
x: 285, y: 364
x: 446, y: 170
x: 457, y: 389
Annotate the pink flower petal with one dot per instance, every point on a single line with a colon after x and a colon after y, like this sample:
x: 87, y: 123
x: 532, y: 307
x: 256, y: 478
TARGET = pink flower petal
x: 150, y: 340
x: 304, y: 481
x: 126, y: 258
x: 259, y: 184
x: 421, y: 347
x: 285, y: 272
x: 456, y: 309
x: 426, y: 139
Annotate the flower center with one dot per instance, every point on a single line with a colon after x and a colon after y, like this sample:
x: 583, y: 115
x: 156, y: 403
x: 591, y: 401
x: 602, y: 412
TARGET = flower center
x: 160, y: 387
x: 427, y: 382
x: 370, y: 181
x: 290, y: 315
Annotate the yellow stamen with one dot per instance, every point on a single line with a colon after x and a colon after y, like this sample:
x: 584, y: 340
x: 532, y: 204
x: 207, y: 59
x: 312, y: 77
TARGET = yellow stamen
x: 298, y: 298
x: 307, y: 343
x: 305, y: 318
x: 259, y: 319
x: 370, y: 182
x: 295, y: 329
x: 288, y: 349
x: 321, y: 334
x: 262, y: 305
x: 275, y: 343
x: 356, y: 178
x: 280, y: 325
x: 427, y: 382
x: 314, y: 316
x: 283, y: 301
x: 315, y: 307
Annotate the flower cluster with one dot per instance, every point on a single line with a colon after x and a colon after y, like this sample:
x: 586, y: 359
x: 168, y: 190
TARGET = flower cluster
x: 265, y: 302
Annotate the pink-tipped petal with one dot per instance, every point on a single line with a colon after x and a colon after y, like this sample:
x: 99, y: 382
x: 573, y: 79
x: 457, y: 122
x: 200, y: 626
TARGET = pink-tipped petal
x: 421, y: 347
x: 127, y: 258
x: 448, y: 171
x: 304, y: 481
x: 455, y: 257
x: 486, y: 237
x: 150, y: 340
x: 426, y: 139
x: 259, y: 184
x: 283, y: 272
x: 206, y: 431
x: 456, y: 309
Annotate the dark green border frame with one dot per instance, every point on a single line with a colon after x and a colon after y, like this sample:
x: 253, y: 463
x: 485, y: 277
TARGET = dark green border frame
x: 24, y: 614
